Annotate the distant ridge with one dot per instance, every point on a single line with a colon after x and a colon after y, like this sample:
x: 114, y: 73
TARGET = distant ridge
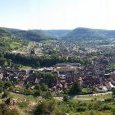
x: 82, y: 33
x: 26, y: 34
x: 57, y: 33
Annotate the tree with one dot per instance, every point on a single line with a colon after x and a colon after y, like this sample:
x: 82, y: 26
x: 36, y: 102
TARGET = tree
x: 37, y: 87
x: 65, y: 98
x: 37, y: 93
x: 32, y: 52
x: 7, y: 84
x: 2, y: 61
x: 75, y: 89
x: 43, y: 87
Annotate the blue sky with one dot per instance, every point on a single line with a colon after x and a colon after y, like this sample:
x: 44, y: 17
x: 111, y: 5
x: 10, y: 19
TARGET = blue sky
x: 57, y: 14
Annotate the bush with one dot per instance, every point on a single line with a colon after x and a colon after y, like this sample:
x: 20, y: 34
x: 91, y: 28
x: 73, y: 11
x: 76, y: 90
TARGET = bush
x: 45, y: 108
x: 5, y: 94
x: 23, y: 104
x: 113, y: 111
x: 28, y: 92
x: 104, y: 107
x: 13, y: 112
x: 5, y: 110
x: 108, y: 100
x: 48, y: 95
x: 37, y: 93
x: 65, y: 98
x: 92, y: 113
x: 1, y: 89
x: 80, y: 103
x: 81, y: 109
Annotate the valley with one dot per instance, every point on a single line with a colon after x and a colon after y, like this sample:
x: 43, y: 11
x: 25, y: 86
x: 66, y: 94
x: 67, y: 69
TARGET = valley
x: 75, y: 68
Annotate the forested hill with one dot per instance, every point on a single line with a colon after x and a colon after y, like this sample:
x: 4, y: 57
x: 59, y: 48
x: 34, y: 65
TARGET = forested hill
x: 57, y: 33
x: 27, y: 35
x: 9, y: 42
x: 87, y: 33
x: 76, y: 34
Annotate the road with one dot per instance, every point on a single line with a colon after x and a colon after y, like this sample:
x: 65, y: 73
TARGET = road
x: 84, y: 97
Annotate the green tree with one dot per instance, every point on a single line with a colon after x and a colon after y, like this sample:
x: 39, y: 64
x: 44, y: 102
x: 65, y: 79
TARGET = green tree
x: 44, y: 87
x: 75, y: 89
x: 37, y: 93
x: 48, y: 95
x: 65, y: 98
x: 7, y: 84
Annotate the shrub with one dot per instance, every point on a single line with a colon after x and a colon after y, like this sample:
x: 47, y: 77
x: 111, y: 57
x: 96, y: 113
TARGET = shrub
x: 37, y: 93
x: 104, y: 107
x: 80, y: 109
x: 113, y: 111
x: 80, y: 103
x: 65, y: 98
x: 108, y: 100
x: 92, y: 113
x: 45, y: 108
x: 23, y: 104
x: 5, y: 110
x: 28, y: 92
x: 48, y: 95
x: 5, y: 94
x: 13, y: 112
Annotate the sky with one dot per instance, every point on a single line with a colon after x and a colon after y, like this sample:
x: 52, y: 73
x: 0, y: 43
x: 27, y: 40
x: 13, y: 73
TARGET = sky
x: 57, y: 14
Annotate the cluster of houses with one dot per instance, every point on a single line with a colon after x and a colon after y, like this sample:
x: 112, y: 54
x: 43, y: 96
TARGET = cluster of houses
x: 93, y: 75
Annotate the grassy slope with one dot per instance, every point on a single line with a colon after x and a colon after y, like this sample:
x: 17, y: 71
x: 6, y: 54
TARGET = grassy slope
x: 25, y: 104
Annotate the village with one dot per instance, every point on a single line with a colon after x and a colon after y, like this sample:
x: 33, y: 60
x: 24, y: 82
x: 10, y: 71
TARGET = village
x: 95, y: 76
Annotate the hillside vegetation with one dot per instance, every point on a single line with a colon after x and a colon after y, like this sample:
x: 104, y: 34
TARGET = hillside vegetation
x: 27, y: 35
x: 9, y: 42
x: 91, y: 34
